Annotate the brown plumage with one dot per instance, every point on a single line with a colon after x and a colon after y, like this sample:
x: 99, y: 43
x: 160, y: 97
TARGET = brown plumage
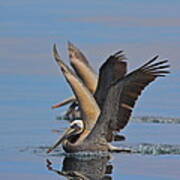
x: 122, y: 96
x: 88, y: 106
x: 113, y: 69
x: 85, y: 72
x: 122, y: 91
x: 82, y: 67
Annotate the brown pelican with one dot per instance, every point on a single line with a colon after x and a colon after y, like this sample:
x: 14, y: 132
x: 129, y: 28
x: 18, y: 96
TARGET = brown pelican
x: 85, y: 72
x: 95, y: 131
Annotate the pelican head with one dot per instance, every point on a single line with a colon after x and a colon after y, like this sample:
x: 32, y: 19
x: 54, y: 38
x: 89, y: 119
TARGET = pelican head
x: 71, y: 134
x: 76, y: 127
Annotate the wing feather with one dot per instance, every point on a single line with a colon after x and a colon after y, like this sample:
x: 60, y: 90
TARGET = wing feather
x: 82, y: 67
x: 88, y: 106
x: 122, y: 96
x: 113, y: 69
x: 83, y: 70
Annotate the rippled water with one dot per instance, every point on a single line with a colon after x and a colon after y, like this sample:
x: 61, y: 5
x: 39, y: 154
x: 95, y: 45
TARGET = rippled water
x: 29, y: 127
x: 142, y: 148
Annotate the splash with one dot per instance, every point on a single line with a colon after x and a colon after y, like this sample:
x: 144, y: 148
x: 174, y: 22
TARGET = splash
x: 156, y: 149
x: 153, y: 119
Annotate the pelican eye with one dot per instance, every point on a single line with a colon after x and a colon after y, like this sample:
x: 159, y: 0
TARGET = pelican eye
x: 75, y: 126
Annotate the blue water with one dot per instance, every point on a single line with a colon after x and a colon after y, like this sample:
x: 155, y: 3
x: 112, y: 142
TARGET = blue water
x: 30, y: 82
x: 27, y: 123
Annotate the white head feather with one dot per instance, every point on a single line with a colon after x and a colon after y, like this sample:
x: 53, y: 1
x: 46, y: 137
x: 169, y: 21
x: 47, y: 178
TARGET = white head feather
x: 79, y: 123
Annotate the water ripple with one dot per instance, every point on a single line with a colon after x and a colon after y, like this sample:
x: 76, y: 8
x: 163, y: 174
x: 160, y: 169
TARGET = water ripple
x: 142, y: 148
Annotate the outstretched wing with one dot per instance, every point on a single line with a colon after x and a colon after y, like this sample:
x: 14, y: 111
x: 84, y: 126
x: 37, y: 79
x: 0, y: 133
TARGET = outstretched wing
x: 113, y: 69
x: 122, y: 96
x: 83, y: 70
x: 88, y: 106
x: 82, y: 67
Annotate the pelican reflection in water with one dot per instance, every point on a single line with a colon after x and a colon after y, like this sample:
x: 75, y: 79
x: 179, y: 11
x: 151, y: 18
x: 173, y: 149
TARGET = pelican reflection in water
x: 109, y: 112
x: 84, y: 169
